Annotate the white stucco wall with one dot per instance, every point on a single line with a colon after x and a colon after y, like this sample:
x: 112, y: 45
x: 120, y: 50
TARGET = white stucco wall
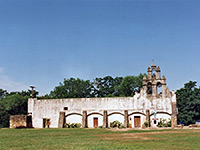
x: 50, y: 109
x: 74, y: 119
x: 115, y: 117
x: 160, y: 117
x: 91, y: 120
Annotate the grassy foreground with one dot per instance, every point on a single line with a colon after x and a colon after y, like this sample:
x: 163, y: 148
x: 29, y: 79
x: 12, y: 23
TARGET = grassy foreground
x: 98, y: 139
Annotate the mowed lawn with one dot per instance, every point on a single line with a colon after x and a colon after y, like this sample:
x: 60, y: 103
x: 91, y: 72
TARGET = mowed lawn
x: 99, y: 139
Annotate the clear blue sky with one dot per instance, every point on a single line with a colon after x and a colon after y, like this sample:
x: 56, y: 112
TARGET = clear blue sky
x: 44, y: 41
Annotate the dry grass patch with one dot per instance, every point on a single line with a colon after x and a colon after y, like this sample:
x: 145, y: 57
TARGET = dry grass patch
x: 145, y: 135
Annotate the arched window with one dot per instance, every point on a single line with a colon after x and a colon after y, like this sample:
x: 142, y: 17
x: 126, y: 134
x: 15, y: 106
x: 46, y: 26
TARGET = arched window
x: 159, y: 88
x: 149, y: 88
x: 153, y: 73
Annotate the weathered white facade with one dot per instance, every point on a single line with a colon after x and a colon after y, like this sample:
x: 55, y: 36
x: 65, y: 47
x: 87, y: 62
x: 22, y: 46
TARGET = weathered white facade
x: 154, y: 102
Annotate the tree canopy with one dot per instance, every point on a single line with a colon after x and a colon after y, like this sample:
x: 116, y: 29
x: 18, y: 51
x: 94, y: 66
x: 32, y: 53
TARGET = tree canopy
x: 100, y: 87
x: 131, y: 84
x: 188, y: 103
x: 105, y: 87
x: 3, y: 94
x: 72, y: 88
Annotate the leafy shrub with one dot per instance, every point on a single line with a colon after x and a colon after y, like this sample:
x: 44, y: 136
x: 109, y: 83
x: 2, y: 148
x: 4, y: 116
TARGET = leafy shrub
x: 110, y: 95
x: 116, y: 124
x: 145, y: 124
x: 164, y: 123
x: 73, y: 125
x: 122, y: 126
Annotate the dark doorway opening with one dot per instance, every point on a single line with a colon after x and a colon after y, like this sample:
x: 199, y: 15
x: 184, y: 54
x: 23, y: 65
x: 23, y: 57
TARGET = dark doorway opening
x: 29, y: 122
x: 46, y: 123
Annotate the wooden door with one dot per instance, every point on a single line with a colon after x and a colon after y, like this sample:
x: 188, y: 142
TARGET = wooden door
x: 137, y: 121
x: 95, y: 122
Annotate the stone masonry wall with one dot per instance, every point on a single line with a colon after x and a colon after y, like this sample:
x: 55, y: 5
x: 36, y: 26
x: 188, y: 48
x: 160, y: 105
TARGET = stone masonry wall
x: 18, y: 121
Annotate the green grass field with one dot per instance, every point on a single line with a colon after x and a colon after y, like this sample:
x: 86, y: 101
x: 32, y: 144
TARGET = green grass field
x: 98, y: 139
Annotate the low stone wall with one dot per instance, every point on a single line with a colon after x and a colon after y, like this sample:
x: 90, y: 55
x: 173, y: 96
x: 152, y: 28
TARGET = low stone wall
x: 194, y: 126
x: 18, y: 121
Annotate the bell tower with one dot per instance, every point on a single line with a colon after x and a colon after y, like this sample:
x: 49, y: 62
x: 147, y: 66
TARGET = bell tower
x: 153, y: 84
x: 156, y: 97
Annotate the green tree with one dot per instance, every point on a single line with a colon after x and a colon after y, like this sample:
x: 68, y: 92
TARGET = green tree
x: 116, y: 85
x: 100, y: 87
x: 131, y: 84
x: 3, y: 94
x: 46, y: 96
x: 188, y: 103
x: 106, y: 87
x: 25, y: 93
x: 72, y: 88
x: 12, y: 105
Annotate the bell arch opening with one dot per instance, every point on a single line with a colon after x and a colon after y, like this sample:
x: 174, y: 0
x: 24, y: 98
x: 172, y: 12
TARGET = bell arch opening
x: 159, y: 88
x: 153, y: 73
x: 149, y: 88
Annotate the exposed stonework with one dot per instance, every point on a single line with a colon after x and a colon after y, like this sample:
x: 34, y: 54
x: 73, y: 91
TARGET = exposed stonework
x: 148, y: 117
x: 154, y: 97
x: 84, y: 119
x: 61, y: 121
x: 174, y: 114
x: 126, y: 121
x: 18, y: 121
x: 21, y: 121
x: 105, y: 119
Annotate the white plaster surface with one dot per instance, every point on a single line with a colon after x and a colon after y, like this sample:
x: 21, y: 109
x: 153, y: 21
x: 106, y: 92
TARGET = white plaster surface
x: 74, y: 119
x: 50, y: 108
x: 91, y: 120
x: 115, y: 117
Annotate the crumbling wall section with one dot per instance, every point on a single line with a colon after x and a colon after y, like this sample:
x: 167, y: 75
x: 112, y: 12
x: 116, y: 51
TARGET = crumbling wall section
x: 18, y: 121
